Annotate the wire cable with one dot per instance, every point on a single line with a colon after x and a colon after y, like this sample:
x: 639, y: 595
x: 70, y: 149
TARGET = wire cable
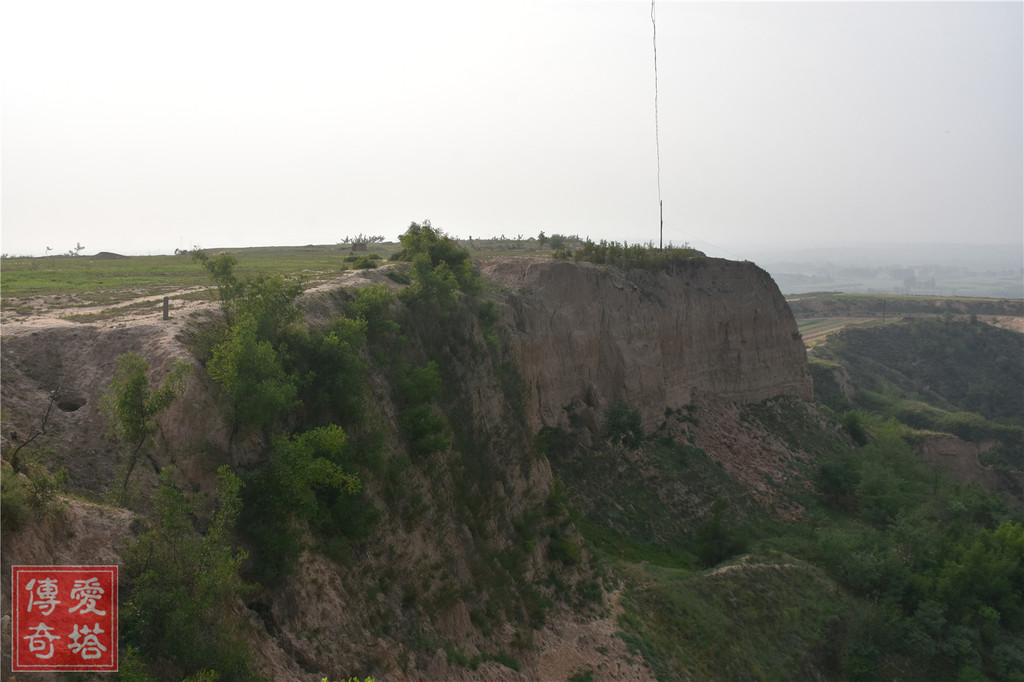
x: 698, y: 239
x: 657, y: 140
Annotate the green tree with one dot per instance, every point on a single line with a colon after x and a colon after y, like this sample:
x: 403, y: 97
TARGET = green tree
x: 440, y: 265
x: 271, y: 302
x: 222, y: 269
x: 181, y: 585
x: 131, y: 406
x: 251, y: 374
x: 306, y: 462
x: 269, y: 299
x: 373, y: 304
x: 294, y: 488
x: 837, y: 479
x: 984, y: 570
x: 332, y: 368
x: 715, y: 541
x: 431, y: 284
x: 854, y: 423
x: 420, y: 423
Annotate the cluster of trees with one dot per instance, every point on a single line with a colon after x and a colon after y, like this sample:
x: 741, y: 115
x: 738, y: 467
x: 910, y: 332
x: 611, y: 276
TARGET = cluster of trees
x: 182, y: 578
x: 441, y: 268
x: 942, y: 566
x: 303, y: 390
x: 958, y: 363
x: 557, y: 241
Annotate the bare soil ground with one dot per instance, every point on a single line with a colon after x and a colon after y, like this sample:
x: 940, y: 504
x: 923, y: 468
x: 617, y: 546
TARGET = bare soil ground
x: 57, y: 311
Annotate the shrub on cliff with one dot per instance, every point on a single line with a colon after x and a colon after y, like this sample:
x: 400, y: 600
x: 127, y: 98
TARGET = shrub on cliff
x: 716, y: 540
x: 623, y: 425
x: 269, y: 299
x: 131, y: 407
x: 182, y: 585
x: 642, y: 256
x: 30, y: 492
x: 306, y: 481
x: 330, y: 369
x: 251, y: 373
x: 373, y: 304
x: 422, y: 426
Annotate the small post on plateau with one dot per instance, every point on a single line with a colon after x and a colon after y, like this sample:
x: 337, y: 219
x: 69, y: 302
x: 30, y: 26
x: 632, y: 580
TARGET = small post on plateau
x: 661, y: 225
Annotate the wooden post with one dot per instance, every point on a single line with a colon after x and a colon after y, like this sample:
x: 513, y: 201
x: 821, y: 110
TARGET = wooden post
x: 167, y: 307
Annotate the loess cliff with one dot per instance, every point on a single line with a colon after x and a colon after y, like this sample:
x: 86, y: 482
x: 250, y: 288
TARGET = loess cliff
x: 586, y: 336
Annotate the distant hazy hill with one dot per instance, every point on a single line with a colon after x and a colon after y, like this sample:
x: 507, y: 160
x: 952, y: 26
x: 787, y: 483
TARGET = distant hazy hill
x: 990, y: 270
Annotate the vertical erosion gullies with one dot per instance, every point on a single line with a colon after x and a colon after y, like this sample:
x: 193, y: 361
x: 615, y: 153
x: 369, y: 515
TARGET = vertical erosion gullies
x: 586, y: 336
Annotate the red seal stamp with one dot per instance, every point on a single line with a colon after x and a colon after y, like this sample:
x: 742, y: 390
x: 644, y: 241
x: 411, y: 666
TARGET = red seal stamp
x: 64, y: 618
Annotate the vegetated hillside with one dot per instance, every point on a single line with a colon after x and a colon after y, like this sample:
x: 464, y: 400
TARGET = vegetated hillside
x: 956, y: 376
x: 556, y: 471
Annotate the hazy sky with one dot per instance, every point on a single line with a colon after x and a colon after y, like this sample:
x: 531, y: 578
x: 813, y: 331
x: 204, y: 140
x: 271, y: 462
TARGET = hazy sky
x: 141, y: 127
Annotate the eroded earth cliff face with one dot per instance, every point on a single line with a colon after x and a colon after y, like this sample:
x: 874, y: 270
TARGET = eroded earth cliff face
x: 586, y: 336
x: 581, y: 337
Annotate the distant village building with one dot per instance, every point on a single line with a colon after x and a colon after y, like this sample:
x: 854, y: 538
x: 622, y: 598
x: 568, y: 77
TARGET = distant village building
x: 359, y: 246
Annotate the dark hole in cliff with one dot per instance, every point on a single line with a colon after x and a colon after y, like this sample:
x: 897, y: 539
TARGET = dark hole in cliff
x: 263, y: 611
x: 70, y: 403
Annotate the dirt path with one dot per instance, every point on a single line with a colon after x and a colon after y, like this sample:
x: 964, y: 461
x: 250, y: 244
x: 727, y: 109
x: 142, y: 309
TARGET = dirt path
x: 1015, y: 324
x: 49, y: 314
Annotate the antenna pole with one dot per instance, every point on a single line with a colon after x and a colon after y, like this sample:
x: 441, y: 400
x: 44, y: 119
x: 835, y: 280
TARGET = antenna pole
x: 657, y: 141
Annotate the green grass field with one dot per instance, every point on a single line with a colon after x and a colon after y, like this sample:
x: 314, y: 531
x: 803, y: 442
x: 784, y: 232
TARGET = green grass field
x: 107, y: 280
x: 77, y: 281
x: 20, y: 277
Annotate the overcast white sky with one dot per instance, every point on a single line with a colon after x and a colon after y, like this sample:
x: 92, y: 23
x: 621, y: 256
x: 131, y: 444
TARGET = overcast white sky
x: 140, y: 127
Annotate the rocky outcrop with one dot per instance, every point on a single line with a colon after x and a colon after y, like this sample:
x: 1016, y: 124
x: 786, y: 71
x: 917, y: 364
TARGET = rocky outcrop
x: 961, y: 461
x: 586, y: 336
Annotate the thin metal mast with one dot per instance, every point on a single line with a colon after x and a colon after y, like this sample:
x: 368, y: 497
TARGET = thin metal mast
x: 657, y: 141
